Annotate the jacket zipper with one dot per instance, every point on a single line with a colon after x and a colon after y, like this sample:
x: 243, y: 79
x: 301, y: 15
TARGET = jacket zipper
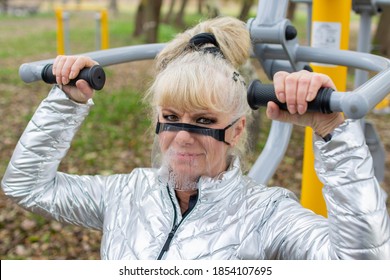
x: 168, y: 242
x: 174, y: 228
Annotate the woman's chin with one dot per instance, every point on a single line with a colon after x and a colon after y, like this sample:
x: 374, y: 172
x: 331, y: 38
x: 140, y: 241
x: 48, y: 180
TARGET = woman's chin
x: 186, y: 172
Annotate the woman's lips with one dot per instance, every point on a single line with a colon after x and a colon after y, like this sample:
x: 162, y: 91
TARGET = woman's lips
x: 186, y: 155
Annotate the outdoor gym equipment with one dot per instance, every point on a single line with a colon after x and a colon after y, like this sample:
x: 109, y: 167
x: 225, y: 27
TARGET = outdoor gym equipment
x: 276, y: 49
x: 63, y: 29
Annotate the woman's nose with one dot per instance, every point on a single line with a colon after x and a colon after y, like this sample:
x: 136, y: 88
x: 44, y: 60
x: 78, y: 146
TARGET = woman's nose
x: 184, y: 137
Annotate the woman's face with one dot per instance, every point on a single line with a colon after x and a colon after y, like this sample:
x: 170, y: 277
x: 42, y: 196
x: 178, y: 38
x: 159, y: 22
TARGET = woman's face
x: 191, y: 155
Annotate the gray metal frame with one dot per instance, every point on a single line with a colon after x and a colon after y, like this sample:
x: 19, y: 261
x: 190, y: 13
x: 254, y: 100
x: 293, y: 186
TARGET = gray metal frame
x: 367, y: 9
x: 275, y: 53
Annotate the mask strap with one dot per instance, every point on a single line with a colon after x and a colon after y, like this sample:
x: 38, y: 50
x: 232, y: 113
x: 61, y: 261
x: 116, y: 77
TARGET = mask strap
x: 218, y: 134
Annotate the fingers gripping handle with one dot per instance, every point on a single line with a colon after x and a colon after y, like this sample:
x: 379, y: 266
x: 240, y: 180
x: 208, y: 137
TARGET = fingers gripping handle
x: 95, y: 76
x: 260, y: 94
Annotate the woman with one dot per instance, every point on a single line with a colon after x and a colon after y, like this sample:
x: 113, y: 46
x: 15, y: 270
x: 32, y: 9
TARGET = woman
x: 195, y: 203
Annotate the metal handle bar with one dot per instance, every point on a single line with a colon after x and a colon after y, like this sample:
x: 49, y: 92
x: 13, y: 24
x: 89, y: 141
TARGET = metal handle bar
x: 94, y: 75
x: 276, y: 53
x: 259, y: 94
x: 357, y: 103
x: 31, y: 72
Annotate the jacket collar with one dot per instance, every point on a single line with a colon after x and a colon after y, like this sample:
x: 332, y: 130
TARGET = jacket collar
x: 226, y: 183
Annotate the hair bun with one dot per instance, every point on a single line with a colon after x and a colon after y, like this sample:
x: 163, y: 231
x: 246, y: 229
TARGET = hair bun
x: 229, y: 35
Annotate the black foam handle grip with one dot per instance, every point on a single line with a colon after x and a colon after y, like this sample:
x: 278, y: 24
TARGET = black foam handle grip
x: 95, y: 76
x: 260, y: 94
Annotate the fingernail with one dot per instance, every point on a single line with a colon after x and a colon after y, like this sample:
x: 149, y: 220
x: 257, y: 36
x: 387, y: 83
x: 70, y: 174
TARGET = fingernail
x: 282, y: 96
x: 292, y: 109
x: 270, y: 111
x: 301, y: 109
x: 71, y: 75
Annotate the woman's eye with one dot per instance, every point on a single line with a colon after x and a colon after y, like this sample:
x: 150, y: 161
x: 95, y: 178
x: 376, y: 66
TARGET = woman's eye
x: 170, y: 118
x: 205, y: 121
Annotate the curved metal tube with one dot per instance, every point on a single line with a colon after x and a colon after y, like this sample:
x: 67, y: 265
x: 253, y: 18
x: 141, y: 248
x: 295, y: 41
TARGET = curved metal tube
x: 275, y: 148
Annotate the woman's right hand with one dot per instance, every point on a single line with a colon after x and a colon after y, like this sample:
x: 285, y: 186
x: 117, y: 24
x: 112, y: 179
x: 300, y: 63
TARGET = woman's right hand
x: 66, y: 68
x: 296, y: 90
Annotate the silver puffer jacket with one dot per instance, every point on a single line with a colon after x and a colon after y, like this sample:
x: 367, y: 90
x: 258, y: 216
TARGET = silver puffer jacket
x: 233, y: 218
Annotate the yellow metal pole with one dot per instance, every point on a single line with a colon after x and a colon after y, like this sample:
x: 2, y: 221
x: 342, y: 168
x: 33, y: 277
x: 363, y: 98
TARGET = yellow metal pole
x: 60, y: 31
x: 383, y: 106
x: 330, y: 29
x: 104, y: 29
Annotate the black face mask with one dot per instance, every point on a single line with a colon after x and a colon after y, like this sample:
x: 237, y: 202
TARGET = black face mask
x: 218, y: 134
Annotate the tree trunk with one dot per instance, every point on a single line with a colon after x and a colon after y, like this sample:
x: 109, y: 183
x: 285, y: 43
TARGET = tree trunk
x: 139, y: 19
x: 153, y: 20
x: 212, y: 9
x: 246, y: 6
x: 113, y: 7
x: 382, y: 35
x: 291, y: 10
x: 179, y: 21
x: 4, y: 6
x: 169, y: 15
x: 147, y: 20
x: 200, y: 6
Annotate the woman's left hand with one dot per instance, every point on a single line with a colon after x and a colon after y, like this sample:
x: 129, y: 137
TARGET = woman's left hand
x: 296, y: 90
x: 67, y: 67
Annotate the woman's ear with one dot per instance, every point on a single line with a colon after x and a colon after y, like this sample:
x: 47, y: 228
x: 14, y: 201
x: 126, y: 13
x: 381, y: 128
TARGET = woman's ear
x: 238, y: 129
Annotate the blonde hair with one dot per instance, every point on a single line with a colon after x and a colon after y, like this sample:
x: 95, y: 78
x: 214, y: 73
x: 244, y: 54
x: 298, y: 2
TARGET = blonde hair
x: 195, y: 79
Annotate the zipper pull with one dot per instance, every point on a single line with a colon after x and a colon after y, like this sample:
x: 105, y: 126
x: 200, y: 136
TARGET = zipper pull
x: 169, y: 239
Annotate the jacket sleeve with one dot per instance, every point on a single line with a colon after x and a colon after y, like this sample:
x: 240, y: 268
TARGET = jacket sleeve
x: 357, y: 226
x: 31, y: 178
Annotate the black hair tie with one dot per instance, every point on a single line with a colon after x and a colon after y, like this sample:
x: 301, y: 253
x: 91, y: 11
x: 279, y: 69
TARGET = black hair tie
x: 202, y: 39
